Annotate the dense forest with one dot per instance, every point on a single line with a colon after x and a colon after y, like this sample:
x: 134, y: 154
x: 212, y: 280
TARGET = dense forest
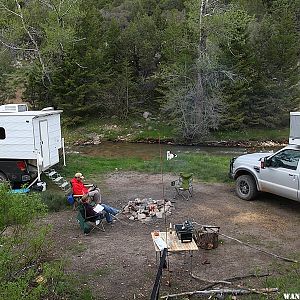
x: 203, y: 65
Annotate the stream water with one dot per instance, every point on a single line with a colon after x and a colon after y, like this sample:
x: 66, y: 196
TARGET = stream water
x: 150, y: 151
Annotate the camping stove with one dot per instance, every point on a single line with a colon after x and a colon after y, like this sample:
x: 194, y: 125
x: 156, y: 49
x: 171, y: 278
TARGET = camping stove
x: 185, y: 231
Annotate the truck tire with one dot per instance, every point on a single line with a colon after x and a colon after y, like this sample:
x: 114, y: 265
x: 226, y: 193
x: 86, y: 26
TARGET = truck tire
x: 245, y: 187
x: 2, y: 177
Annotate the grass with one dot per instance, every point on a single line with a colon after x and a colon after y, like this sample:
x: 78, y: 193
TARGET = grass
x: 55, y: 201
x: 288, y: 280
x: 252, y: 135
x: 205, y: 167
x: 119, y: 130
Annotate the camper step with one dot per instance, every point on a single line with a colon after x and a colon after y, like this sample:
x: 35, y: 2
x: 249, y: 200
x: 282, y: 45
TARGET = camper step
x: 49, y: 171
x: 58, y: 179
x: 65, y: 185
x: 52, y: 174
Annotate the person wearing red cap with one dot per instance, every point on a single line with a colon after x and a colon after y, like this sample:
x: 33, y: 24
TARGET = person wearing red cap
x: 79, y: 188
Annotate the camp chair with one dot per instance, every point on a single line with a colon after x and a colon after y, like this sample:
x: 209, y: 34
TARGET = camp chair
x: 74, y: 199
x: 184, y: 185
x: 88, y: 224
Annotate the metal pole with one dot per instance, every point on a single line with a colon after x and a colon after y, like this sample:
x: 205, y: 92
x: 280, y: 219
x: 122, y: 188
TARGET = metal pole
x: 63, y: 148
x: 38, y: 169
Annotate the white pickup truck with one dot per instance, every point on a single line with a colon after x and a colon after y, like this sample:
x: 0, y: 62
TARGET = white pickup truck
x: 277, y: 173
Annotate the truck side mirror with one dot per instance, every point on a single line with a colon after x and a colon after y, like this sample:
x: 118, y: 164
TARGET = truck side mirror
x: 264, y: 163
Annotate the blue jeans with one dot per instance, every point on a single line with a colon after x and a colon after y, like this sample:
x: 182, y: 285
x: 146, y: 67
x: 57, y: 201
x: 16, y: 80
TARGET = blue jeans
x: 109, y: 212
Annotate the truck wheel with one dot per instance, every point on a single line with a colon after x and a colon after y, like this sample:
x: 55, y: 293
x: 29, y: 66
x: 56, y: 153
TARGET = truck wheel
x: 246, y: 187
x: 2, y: 177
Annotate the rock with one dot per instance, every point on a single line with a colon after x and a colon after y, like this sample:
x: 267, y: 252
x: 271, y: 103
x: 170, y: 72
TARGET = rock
x: 146, y: 114
x: 131, y: 218
x: 167, y: 207
x: 159, y: 215
x: 141, y: 216
x: 96, y: 140
x: 160, y: 202
x: 126, y: 209
x: 136, y: 125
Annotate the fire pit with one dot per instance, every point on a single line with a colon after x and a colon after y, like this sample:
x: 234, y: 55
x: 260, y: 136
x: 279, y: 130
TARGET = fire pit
x: 147, y: 208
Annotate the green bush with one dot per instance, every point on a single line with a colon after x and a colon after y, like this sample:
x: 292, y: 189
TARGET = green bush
x: 24, y: 271
x: 54, y: 201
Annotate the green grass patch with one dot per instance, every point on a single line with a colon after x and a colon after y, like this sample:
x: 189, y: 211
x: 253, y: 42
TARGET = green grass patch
x: 288, y: 282
x: 252, y: 135
x: 205, y: 167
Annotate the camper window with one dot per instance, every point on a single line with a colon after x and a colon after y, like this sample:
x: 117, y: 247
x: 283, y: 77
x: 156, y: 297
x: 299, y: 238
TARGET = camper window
x: 2, y: 133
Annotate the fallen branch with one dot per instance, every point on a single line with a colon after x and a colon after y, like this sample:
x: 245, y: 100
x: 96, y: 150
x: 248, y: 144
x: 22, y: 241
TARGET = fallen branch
x: 247, y: 276
x: 223, y: 292
x: 227, y: 280
x: 258, y: 249
x: 210, y: 281
x: 19, y: 272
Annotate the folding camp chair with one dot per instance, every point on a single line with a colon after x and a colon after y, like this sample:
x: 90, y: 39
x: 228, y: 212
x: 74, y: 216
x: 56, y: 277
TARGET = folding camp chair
x: 184, y: 185
x: 88, y: 224
x: 74, y: 199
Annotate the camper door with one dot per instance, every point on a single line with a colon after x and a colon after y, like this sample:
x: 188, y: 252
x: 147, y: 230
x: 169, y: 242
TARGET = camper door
x: 44, y: 140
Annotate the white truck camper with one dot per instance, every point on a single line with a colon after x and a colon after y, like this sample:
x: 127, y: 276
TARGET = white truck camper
x: 31, y: 139
x: 294, y: 138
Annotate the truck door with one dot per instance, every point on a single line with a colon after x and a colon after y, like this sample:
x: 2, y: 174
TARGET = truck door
x: 281, y: 176
x: 44, y: 138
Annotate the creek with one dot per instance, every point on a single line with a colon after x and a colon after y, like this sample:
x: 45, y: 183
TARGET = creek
x: 150, y: 151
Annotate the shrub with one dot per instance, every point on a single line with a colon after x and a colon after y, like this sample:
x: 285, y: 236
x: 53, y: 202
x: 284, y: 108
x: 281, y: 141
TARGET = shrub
x: 54, y: 201
x: 24, y: 271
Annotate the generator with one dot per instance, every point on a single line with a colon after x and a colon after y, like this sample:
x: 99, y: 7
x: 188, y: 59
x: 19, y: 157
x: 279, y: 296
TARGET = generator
x: 185, y: 231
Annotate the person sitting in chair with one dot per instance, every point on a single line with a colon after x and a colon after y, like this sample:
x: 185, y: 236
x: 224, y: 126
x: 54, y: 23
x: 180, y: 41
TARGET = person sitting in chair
x: 79, y: 188
x: 107, y: 211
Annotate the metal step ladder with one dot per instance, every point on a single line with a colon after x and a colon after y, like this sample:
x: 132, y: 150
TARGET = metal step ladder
x: 62, y: 183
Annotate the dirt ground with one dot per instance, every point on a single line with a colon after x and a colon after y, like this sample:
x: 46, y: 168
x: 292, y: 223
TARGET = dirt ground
x: 120, y: 263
